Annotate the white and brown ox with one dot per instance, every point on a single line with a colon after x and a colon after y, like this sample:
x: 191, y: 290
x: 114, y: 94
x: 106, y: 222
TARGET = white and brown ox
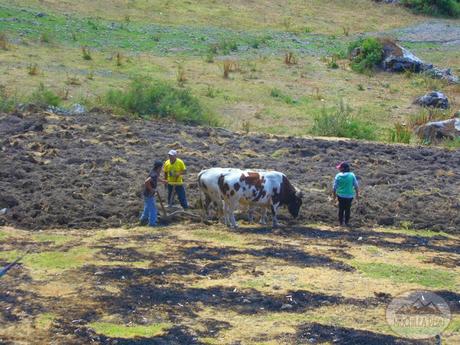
x: 266, y: 189
x: 208, y: 182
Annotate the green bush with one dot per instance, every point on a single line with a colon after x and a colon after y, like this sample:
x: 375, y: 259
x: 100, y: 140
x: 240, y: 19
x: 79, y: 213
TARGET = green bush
x: 159, y: 99
x: 340, y: 122
x: 7, y: 102
x: 370, y: 54
x: 44, y: 97
x: 277, y: 93
x: 452, y: 144
x: 448, y: 8
x: 399, y: 134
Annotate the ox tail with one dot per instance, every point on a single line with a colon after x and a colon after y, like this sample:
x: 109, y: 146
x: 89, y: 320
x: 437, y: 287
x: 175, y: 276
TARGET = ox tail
x: 204, y: 212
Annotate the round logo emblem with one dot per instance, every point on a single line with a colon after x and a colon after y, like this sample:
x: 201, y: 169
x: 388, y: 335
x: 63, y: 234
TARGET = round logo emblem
x: 418, y: 314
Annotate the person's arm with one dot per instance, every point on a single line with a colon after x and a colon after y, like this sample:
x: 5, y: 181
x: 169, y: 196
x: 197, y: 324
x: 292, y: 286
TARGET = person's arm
x: 334, y: 188
x: 148, y: 186
x: 356, y: 185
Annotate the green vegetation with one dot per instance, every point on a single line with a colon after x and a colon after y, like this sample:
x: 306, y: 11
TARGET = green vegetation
x: 277, y: 93
x: 365, y: 53
x: 121, y: 331
x: 7, y: 102
x: 159, y: 99
x: 43, y: 97
x: 452, y: 144
x: 55, y: 238
x: 399, y: 134
x: 44, y: 321
x: 339, y: 121
x: 433, y: 278
x: 58, y: 260
x: 448, y: 8
x: 83, y: 57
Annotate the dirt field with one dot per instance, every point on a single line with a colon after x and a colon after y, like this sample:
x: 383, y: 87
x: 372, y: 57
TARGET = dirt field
x: 97, y: 278
x: 189, y: 284
x: 86, y: 171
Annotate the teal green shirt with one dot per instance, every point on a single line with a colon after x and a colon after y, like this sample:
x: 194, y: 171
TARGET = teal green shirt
x: 345, y: 185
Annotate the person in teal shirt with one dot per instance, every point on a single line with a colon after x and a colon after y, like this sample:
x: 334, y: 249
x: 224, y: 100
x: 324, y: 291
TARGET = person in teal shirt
x: 345, y: 189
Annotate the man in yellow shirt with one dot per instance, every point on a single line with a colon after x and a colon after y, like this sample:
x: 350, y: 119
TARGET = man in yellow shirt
x: 174, y: 168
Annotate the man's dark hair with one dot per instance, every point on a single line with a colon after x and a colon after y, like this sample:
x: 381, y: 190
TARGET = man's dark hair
x: 157, y: 164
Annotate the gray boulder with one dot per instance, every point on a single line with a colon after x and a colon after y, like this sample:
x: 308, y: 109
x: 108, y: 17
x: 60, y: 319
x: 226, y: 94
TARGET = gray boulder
x: 399, y: 59
x: 434, y: 99
x: 438, y: 130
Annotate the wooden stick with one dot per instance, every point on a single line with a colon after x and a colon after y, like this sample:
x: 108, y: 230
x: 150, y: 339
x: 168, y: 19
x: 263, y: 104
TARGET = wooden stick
x: 161, y: 204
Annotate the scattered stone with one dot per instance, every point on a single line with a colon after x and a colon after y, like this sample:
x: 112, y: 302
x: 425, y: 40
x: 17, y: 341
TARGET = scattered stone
x: 75, y: 109
x: 443, y: 74
x: 434, y: 99
x: 40, y: 15
x: 438, y: 130
x: 3, y: 211
x: 386, y: 221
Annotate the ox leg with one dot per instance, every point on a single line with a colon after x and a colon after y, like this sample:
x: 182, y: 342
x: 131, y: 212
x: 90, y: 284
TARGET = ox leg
x: 251, y: 215
x: 263, y: 216
x: 274, y: 213
x: 221, y: 213
x: 230, y: 213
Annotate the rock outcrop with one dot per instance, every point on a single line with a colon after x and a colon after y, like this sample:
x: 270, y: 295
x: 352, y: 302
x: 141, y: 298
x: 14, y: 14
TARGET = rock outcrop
x: 399, y: 59
x: 434, y: 99
x: 436, y: 131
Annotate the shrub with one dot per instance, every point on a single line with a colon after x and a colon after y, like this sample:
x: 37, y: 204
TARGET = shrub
x: 181, y: 77
x: 400, y: 134
x: 367, y: 53
x: 3, y: 41
x: 33, y: 69
x: 7, y: 102
x: 332, y: 63
x: 86, y: 53
x: 277, y: 93
x: 449, y: 8
x: 45, y: 37
x: 159, y: 99
x: 226, y: 46
x: 44, y: 97
x: 290, y: 59
x: 340, y: 122
x: 453, y: 144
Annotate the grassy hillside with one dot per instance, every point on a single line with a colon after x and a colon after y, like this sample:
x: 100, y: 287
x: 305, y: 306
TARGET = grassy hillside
x: 188, y: 43
x: 320, y: 16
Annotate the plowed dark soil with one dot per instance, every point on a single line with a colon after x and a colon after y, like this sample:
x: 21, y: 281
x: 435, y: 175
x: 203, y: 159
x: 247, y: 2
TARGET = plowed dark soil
x: 86, y: 171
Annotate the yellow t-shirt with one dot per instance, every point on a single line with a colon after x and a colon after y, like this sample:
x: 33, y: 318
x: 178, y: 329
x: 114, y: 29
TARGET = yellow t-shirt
x: 172, y: 171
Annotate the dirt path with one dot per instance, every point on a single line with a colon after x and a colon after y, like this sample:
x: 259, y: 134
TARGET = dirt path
x: 86, y: 171
x: 446, y: 32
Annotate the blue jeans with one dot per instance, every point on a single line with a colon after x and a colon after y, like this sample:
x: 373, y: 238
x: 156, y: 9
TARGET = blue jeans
x: 150, y: 211
x: 180, y: 191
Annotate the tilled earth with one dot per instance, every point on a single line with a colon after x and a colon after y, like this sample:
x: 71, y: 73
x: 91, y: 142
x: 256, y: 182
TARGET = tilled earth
x: 86, y: 171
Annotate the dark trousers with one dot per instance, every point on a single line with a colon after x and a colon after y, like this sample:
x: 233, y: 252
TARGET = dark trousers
x: 180, y: 192
x: 344, y: 209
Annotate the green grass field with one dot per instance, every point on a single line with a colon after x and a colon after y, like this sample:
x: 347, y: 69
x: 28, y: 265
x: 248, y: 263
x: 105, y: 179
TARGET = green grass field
x: 188, y: 44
